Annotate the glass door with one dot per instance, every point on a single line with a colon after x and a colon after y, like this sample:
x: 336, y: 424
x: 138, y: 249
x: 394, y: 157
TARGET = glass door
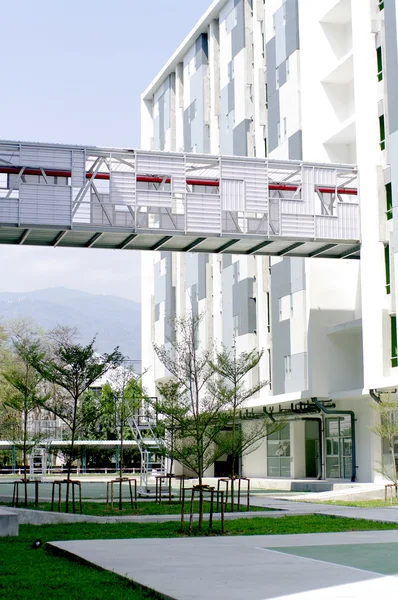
x: 338, y: 447
x: 278, y: 453
x: 313, y: 467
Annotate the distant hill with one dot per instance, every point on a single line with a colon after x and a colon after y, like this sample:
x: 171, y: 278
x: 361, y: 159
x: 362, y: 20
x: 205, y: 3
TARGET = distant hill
x: 116, y: 321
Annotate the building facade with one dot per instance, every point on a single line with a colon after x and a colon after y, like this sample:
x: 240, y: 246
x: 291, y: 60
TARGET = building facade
x: 311, y: 81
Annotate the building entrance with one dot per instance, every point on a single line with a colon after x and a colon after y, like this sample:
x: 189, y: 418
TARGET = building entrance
x: 338, y: 436
x: 313, y: 462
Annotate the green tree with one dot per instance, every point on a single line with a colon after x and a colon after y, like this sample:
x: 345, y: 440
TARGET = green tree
x: 190, y: 408
x: 23, y: 395
x: 242, y: 436
x: 71, y: 369
x: 387, y: 429
x: 122, y: 394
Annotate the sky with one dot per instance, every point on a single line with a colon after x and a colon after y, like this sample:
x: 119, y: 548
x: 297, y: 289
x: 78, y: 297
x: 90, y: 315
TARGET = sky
x: 73, y: 72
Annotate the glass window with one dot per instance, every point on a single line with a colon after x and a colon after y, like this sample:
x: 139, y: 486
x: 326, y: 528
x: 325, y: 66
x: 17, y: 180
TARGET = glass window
x: 338, y: 447
x: 379, y: 64
x: 387, y: 266
x: 278, y: 453
x: 332, y: 427
x: 394, y: 350
x: 381, y: 4
x: 389, y: 201
x: 345, y: 426
x: 382, y: 133
x: 332, y: 468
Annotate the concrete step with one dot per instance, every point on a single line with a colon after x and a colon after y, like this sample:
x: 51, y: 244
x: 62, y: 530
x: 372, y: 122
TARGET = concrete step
x: 8, y: 523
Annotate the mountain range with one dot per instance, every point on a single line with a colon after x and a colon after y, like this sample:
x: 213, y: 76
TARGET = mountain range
x: 115, y: 321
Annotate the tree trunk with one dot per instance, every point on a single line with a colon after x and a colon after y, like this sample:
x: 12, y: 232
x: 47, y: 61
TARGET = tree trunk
x: 25, y: 433
x: 233, y: 461
x: 200, y: 523
x: 394, y: 466
x: 121, y: 468
x: 69, y: 466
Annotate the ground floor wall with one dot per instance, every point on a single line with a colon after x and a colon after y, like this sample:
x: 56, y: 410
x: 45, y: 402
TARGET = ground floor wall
x: 319, y: 446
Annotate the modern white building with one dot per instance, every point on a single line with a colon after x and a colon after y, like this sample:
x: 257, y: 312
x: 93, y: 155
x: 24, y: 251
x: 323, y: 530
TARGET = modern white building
x: 303, y: 80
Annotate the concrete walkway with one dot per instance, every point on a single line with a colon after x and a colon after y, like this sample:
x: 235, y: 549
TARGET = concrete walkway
x: 385, y: 515
x: 280, y: 507
x: 252, y: 567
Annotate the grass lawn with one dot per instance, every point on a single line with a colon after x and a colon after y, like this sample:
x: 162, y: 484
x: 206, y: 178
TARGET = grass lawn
x: 143, y: 508
x: 27, y: 573
x: 363, y: 503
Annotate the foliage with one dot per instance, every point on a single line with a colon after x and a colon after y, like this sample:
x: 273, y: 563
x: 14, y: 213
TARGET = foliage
x: 71, y: 368
x: 123, y: 397
x: 23, y: 394
x: 230, y: 385
x: 192, y: 412
x: 387, y: 428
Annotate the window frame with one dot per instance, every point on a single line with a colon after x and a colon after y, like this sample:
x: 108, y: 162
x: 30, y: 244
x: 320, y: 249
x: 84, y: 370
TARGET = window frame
x: 394, y: 349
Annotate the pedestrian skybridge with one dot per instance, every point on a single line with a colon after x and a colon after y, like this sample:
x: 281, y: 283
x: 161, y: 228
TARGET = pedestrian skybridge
x: 88, y: 197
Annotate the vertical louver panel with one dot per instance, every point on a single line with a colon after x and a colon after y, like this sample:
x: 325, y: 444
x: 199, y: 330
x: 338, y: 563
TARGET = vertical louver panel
x: 233, y: 194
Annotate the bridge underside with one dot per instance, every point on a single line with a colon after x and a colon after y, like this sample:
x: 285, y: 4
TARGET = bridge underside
x: 172, y: 242
x: 85, y: 197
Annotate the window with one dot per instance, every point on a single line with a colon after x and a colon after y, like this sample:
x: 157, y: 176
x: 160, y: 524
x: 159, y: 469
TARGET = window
x: 387, y: 266
x: 279, y: 133
x: 382, y: 133
x: 394, y: 349
x: 338, y: 447
x: 285, y: 128
x: 381, y: 4
x: 270, y: 369
x: 287, y: 69
x: 379, y: 64
x: 389, y: 201
x: 274, y: 23
x: 268, y: 313
x: 284, y: 12
x: 291, y: 305
x: 288, y: 367
x: 278, y: 453
x: 277, y: 77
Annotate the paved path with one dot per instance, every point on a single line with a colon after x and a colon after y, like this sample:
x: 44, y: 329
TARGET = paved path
x: 388, y: 515
x: 252, y: 567
x: 280, y: 509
